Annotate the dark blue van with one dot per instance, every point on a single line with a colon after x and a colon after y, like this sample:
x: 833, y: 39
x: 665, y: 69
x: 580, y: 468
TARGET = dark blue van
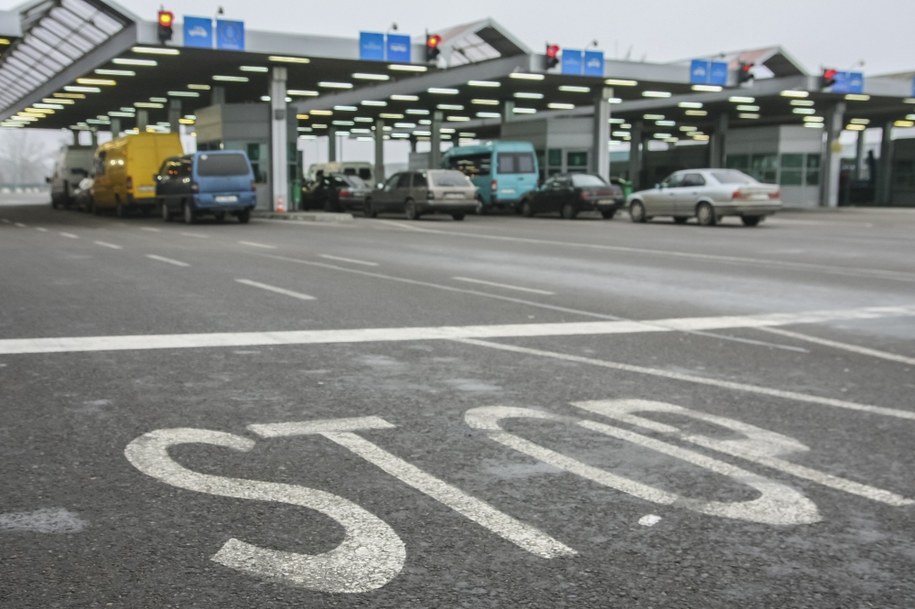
x: 214, y: 182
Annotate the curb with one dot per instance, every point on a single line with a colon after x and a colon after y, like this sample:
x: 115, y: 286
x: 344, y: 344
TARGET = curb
x: 303, y: 216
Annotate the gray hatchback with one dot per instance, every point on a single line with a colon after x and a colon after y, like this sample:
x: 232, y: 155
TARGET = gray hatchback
x: 430, y: 191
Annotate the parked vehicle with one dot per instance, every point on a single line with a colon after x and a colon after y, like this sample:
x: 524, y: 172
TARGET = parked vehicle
x: 570, y: 194
x: 708, y: 195
x: 214, y: 182
x: 360, y: 169
x: 336, y: 192
x: 123, y: 171
x: 73, y: 163
x: 416, y: 193
x: 502, y: 171
x: 82, y: 195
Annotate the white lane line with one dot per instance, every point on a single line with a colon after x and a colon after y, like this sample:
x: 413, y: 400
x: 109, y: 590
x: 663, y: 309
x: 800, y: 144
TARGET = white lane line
x: 108, y: 245
x: 4, y: 220
x: 69, y: 235
x: 261, y: 245
x: 167, y: 260
x: 194, y: 235
x: 20, y: 225
x: 690, y: 378
x: 150, y: 229
x: 270, y: 288
x: 504, y: 285
x: 350, y: 260
x: 843, y: 346
x: 41, y: 229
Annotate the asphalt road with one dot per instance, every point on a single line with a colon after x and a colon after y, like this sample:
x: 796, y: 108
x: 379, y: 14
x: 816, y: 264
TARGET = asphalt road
x: 500, y: 412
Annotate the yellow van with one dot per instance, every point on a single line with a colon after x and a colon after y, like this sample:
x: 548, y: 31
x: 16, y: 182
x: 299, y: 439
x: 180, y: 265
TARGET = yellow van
x: 124, y: 168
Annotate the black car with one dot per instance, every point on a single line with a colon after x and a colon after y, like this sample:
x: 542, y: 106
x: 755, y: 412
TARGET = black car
x: 336, y: 192
x: 569, y: 194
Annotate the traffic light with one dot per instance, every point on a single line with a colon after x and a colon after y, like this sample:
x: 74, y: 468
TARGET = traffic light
x: 744, y: 72
x: 552, y: 56
x: 433, y: 41
x: 828, y: 77
x: 166, y: 19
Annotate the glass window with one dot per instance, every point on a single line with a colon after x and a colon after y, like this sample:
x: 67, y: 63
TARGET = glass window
x: 813, y: 170
x: 577, y: 158
x: 403, y: 180
x: 673, y: 181
x: 585, y: 180
x: 420, y: 180
x: 792, y: 170
x: 515, y: 162
x: 732, y: 176
x: 738, y: 161
x: 391, y: 184
x: 693, y: 179
x: 450, y: 178
x: 472, y: 165
x: 554, y: 157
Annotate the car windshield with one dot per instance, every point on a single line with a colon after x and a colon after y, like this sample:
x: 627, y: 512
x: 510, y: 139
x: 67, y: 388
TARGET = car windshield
x: 584, y: 180
x: 222, y: 165
x: 357, y: 182
x: 732, y: 176
x: 450, y: 178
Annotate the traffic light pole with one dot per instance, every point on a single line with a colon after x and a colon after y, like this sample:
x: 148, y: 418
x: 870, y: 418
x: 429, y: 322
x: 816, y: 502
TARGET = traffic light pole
x: 279, y: 164
x: 832, y: 159
x: 600, y: 153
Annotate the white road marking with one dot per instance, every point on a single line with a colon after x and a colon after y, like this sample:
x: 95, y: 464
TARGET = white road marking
x: 167, y: 260
x: 151, y: 229
x: 260, y: 245
x: 843, y: 346
x: 524, y: 536
x: 54, y: 521
x: 649, y: 520
x: 41, y: 229
x: 270, y: 288
x: 109, y: 245
x: 350, y: 260
x: 195, y: 235
x: 689, y: 378
x: 369, y: 556
x: 4, y: 220
x: 20, y: 225
x: 69, y: 235
x: 504, y: 285
x: 14, y: 346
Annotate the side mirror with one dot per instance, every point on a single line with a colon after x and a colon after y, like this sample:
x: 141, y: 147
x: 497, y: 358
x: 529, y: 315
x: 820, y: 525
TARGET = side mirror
x: 659, y: 186
x: 379, y: 185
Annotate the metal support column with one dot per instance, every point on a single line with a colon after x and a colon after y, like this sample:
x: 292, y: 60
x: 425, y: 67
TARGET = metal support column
x: 115, y: 126
x: 508, y: 111
x: 279, y: 136
x: 174, y: 115
x: 832, y: 159
x: 218, y: 96
x: 332, y: 145
x: 142, y: 120
x: 635, y: 155
x: 859, y: 156
x: 435, y: 151
x: 884, y: 181
x: 600, y: 148
x: 379, y: 151
x: 718, y: 142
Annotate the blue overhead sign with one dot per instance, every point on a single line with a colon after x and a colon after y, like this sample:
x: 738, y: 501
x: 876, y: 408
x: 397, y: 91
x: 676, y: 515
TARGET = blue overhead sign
x: 371, y: 46
x: 198, y: 32
x: 398, y: 48
x: 573, y: 62
x: 849, y: 82
x: 594, y: 63
x: 230, y: 35
x: 704, y: 72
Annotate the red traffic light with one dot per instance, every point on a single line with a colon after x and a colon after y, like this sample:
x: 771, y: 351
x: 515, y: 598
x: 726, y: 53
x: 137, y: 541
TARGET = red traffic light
x: 552, y: 56
x: 166, y: 18
x: 433, y: 40
x: 828, y: 77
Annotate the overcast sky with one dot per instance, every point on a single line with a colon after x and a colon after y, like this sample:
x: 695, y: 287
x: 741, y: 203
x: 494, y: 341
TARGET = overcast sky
x: 835, y: 33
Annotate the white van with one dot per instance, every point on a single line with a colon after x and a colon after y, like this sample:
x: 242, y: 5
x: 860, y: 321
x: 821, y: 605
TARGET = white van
x: 72, y: 165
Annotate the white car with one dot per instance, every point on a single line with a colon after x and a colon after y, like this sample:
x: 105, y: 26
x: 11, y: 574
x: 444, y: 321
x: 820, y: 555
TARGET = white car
x: 708, y: 195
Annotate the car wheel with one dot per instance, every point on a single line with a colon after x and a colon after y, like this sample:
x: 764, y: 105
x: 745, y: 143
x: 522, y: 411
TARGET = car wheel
x: 637, y: 212
x: 369, y: 210
x: 526, y: 210
x: 410, y: 210
x: 608, y: 213
x: 751, y: 220
x: 705, y: 214
x: 166, y: 214
x: 189, y: 214
x: 681, y: 219
x: 244, y: 216
x: 458, y: 217
x: 568, y: 211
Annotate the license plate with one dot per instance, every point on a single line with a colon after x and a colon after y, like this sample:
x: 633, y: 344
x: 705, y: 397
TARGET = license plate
x: 146, y: 189
x: 226, y: 199
x: 454, y: 195
x: 605, y: 201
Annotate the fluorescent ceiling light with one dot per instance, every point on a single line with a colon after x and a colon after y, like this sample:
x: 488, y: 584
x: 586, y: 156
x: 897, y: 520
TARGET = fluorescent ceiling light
x: 559, y: 106
x: 48, y: 106
x: 260, y: 69
x: 666, y: 123
x: 804, y: 111
x: 813, y: 119
x: 488, y: 115
x: 155, y: 105
x: 374, y: 102
x: 183, y: 94
x: 484, y: 83
x: 747, y: 108
x: 76, y: 89
x: 105, y: 72
x: 653, y: 117
x: 443, y: 91
x: 689, y: 105
x: 696, y: 113
x: 450, y: 107
x: 526, y: 76
x: 409, y: 98
x: 860, y: 121
x: 857, y: 97
x: 159, y: 100
x: 391, y: 115
x: 302, y: 92
x: 156, y: 51
x: 485, y: 102
x: 346, y: 108
x: 399, y: 67
x: 620, y: 82
x: 419, y: 111
x: 657, y: 94
x: 364, y: 119
x: 793, y: 93
x: 741, y: 100
x: 904, y: 124
x: 457, y: 119
x: 368, y: 76
x: 707, y: 88
x: 574, y: 89
x: 748, y: 115
x: 525, y: 95
x: 322, y: 113
x: 806, y: 103
x: 98, y: 82
x: 329, y: 84
x: 224, y: 78
x: 127, y: 61
x: 287, y: 59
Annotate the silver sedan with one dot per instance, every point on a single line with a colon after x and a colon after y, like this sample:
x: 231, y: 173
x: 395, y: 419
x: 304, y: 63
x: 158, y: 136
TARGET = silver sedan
x: 708, y: 195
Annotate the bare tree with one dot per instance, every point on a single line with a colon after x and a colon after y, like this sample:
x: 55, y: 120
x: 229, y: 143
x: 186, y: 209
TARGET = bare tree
x: 27, y: 155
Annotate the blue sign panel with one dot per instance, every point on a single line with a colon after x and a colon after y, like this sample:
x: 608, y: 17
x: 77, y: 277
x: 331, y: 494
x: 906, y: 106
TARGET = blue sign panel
x: 198, y: 32
x: 398, y: 48
x: 230, y: 35
x: 718, y: 73
x: 371, y: 46
x: 572, y: 62
x: 594, y: 63
x: 699, y: 72
x: 849, y: 82
x: 913, y: 87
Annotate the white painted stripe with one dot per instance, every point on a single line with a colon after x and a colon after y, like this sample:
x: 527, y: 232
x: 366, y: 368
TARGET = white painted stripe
x: 261, y: 245
x: 69, y: 235
x: 689, y: 378
x: 41, y: 229
x: 844, y: 346
x: 109, y: 245
x: 362, y: 335
x: 167, y: 260
x: 270, y: 288
x: 195, y: 235
x: 524, y: 536
x: 504, y: 285
x: 4, y: 220
x: 151, y: 229
x: 350, y: 260
x: 20, y: 225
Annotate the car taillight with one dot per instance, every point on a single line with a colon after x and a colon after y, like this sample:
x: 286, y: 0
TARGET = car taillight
x: 195, y: 188
x: 775, y: 195
x: 253, y: 186
x: 738, y: 194
x: 585, y: 195
x: 494, y: 185
x: 129, y: 183
x: 345, y: 193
